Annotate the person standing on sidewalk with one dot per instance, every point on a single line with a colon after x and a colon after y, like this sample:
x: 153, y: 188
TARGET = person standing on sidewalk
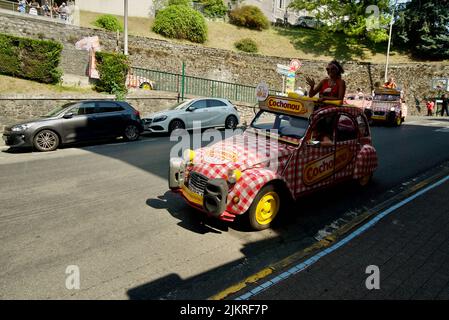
x: 445, y: 105
x: 429, y: 104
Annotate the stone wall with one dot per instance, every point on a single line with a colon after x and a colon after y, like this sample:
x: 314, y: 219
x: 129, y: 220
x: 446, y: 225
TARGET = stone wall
x: 222, y: 65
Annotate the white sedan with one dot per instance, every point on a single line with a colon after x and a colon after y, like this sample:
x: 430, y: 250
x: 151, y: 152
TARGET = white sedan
x: 209, y: 112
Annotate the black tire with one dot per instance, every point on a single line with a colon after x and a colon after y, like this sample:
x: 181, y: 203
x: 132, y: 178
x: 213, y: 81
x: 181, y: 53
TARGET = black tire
x: 46, y: 140
x: 131, y: 132
x: 176, y: 124
x: 365, y: 180
x: 304, y: 25
x: 231, y: 122
x: 254, y: 217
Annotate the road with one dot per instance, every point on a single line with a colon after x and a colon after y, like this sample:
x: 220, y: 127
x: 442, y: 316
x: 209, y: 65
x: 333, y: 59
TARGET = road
x: 105, y: 209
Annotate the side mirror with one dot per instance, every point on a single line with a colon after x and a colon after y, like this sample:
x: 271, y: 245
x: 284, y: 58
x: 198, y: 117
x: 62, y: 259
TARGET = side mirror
x: 191, y: 108
x: 68, y: 115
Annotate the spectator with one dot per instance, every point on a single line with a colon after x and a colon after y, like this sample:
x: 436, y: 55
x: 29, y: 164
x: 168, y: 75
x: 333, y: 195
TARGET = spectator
x: 445, y: 105
x: 22, y: 6
x: 55, y: 9
x: 285, y: 18
x: 63, y: 11
x: 34, y: 6
x: 430, y: 105
x: 46, y: 9
x: 391, y: 84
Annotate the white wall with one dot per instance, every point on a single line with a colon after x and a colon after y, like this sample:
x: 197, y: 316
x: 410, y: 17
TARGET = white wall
x: 136, y: 8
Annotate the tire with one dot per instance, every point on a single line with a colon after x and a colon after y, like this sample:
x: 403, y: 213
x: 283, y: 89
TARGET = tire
x: 265, y: 208
x: 146, y: 86
x: 398, y: 121
x: 304, y: 25
x: 231, y: 122
x: 131, y: 132
x: 176, y: 124
x: 46, y: 140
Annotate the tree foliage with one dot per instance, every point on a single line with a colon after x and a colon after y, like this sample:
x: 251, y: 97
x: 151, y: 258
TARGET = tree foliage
x: 214, y: 8
x: 423, y: 27
x: 250, y: 17
x: 358, y: 18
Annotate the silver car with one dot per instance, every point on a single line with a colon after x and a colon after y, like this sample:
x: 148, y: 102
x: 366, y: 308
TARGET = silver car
x: 210, y: 112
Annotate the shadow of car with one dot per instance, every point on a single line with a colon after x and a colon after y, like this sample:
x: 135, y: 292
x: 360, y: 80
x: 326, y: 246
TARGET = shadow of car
x: 209, y: 112
x: 76, y: 122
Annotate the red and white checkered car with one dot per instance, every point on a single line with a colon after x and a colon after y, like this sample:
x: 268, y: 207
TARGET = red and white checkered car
x: 388, y: 106
x: 289, y: 150
x: 135, y: 81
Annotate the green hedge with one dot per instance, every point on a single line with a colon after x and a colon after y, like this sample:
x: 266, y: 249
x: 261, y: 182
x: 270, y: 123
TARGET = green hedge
x: 109, y: 22
x: 249, y: 17
x: 246, y: 45
x: 181, y: 22
x: 112, y: 68
x: 30, y: 59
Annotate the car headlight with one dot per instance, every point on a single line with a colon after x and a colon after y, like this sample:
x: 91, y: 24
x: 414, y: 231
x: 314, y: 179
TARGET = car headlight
x: 368, y: 107
x: 189, y: 155
x: 392, y: 109
x: 21, y: 127
x: 234, y: 176
x: 160, y: 118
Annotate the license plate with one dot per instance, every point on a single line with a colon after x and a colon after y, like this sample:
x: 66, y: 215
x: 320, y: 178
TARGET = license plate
x: 378, y: 117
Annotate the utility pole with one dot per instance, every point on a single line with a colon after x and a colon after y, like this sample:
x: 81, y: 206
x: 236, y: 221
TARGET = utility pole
x: 389, y: 42
x: 125, y: 40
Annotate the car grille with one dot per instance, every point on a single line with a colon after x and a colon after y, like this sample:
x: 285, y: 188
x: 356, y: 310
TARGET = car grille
x: 197, y: 183
x: 379, y: 113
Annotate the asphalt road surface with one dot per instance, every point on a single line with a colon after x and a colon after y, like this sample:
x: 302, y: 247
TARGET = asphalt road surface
x: 105, y: 209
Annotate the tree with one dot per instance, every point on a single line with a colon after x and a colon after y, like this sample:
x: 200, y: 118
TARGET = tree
x: 358, y: 18
x: 423, y: 27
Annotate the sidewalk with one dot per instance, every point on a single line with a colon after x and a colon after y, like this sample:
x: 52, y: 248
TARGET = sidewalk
x: 410, y: 246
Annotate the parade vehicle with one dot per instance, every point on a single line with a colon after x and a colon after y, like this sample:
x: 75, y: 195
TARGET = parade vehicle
x: 359, y: 100
x: 388, y: 106
x: 289, y: 150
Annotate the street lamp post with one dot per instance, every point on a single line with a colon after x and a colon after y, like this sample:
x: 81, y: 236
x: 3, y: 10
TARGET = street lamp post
x: 125, y: 45
x: 389, y: 42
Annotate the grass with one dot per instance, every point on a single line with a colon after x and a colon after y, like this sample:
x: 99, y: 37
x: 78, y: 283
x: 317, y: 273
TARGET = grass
x: 298, y: 43
x: 13, y: 85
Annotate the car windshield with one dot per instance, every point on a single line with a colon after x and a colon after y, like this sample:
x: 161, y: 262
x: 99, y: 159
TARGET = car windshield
x: 56, y: 111
x: 180, y: 105
x: 387, y: 97
x: 286, y: 125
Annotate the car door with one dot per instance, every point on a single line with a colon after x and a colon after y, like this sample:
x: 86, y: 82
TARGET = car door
x: 78, y: 123
x: 198, y: 113
x: 110, y: 118
x: 314, y: 163
x: 346, y: 145
x: 217, y: 112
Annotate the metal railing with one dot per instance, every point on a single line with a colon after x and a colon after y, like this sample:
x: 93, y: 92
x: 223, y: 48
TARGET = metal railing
x: 167, y: 81
x: 27, y: 9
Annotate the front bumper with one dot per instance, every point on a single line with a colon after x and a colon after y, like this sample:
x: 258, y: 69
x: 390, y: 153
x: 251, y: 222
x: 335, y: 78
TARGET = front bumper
x: 213, y: 200
x: 155, y: 127
x: 15, y: 139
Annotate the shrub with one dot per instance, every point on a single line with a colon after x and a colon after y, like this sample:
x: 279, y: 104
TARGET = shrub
x: 180, y: 3
x: 246, y: 45
x: 113, y: 68
x: 181, y: 22
x: 31, y: 59
x: 249, y: 17
x: 109, y: 22
x: 214, y: 8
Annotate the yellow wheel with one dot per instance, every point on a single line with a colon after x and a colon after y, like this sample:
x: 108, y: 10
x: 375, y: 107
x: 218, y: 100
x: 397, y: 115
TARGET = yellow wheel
x: 146, y: 86
x: 264, y: 208
x: 398, y: 121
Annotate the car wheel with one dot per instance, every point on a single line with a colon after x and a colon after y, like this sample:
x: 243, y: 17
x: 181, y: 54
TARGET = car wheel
x: 304, y: 25
x: 146, y: 86
x: 175, y: 125
x: 46, y: 140
x: 398, y: 121
x: 231, y: 122
x: 131, y: 132
x: 264, y: 208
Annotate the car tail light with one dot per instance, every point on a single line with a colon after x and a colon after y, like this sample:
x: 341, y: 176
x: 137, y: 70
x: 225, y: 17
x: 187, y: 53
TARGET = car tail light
x: 137, y: 113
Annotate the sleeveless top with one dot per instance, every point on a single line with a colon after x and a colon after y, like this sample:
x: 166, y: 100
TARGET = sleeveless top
x: 330, y: 91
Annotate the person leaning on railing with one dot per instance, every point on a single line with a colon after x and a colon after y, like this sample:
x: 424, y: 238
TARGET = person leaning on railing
x: 331, y: 88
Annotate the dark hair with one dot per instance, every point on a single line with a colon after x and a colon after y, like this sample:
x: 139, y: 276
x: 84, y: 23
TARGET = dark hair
x: 338, y: 65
